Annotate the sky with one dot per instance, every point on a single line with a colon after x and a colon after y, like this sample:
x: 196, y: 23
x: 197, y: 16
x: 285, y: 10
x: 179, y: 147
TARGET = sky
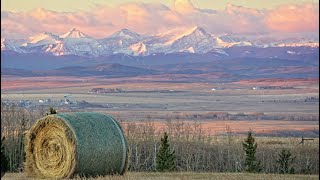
x: 74, y: 5
x: 100, y: 18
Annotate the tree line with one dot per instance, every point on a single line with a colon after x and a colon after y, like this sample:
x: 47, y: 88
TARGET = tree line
x: 166, y: 159
x: 187, y: 145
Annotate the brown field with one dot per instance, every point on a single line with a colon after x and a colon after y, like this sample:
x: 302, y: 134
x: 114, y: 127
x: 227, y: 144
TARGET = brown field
x: 219, y: 127
x: 12, y: 83
x: 280, y: 82
x: 194, y: 98
x: 184, y: 176
x: 9, y: 83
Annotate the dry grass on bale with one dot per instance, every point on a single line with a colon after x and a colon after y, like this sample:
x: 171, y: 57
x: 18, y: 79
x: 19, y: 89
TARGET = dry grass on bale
x: 51, y: 149
x: 82, y: 144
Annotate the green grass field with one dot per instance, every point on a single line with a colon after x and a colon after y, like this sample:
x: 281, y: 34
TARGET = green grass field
x: 184, y: 176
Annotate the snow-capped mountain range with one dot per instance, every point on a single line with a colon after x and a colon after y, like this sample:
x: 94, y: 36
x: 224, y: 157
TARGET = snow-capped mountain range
x: 193, y: 40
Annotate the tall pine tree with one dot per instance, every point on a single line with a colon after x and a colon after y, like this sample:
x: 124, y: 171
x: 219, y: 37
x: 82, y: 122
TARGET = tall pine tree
x: 250, y: 147
x: 285, y: 161
x: 165, y: 160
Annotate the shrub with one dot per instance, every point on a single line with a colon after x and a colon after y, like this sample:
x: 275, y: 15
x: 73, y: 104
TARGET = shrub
x: 52, y: 111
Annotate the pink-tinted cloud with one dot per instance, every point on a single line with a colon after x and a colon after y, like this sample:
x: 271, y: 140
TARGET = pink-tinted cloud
x: 294, y: 18
x: 184, y: 6
x: 152, y: 18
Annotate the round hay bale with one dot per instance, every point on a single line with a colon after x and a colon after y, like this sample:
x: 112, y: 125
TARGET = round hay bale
x: 87, y: 144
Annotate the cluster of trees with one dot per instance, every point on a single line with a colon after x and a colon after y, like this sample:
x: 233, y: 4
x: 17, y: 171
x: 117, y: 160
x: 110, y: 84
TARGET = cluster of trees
x: 184, y: 147
x: 195, y: 151
x: 14, y: 124
x: 284, y: 162
x: 166, y: 161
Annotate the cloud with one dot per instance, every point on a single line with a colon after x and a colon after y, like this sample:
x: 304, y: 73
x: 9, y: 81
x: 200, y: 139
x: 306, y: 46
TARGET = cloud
x: 294, y: 18
x: 152, y: 18
x: 184, y: 6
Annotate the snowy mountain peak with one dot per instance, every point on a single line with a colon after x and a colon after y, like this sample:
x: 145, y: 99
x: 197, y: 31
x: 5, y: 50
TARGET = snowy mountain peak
x: 74, y: 33
x: 44, y: 38
x: 126, y: 33
x: 194, y: 40
x: 3, y: 44
x: 196, y: 30
x: 226, y: 38
x: 9, y: 45
x: 191, y: 40
x: 48, y: 33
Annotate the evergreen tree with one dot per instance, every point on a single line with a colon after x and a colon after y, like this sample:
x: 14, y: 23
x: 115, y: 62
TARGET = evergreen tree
x: 4, y: 161
x: 165, y: 160
x: 250, y: 147
x: 284, y: 162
